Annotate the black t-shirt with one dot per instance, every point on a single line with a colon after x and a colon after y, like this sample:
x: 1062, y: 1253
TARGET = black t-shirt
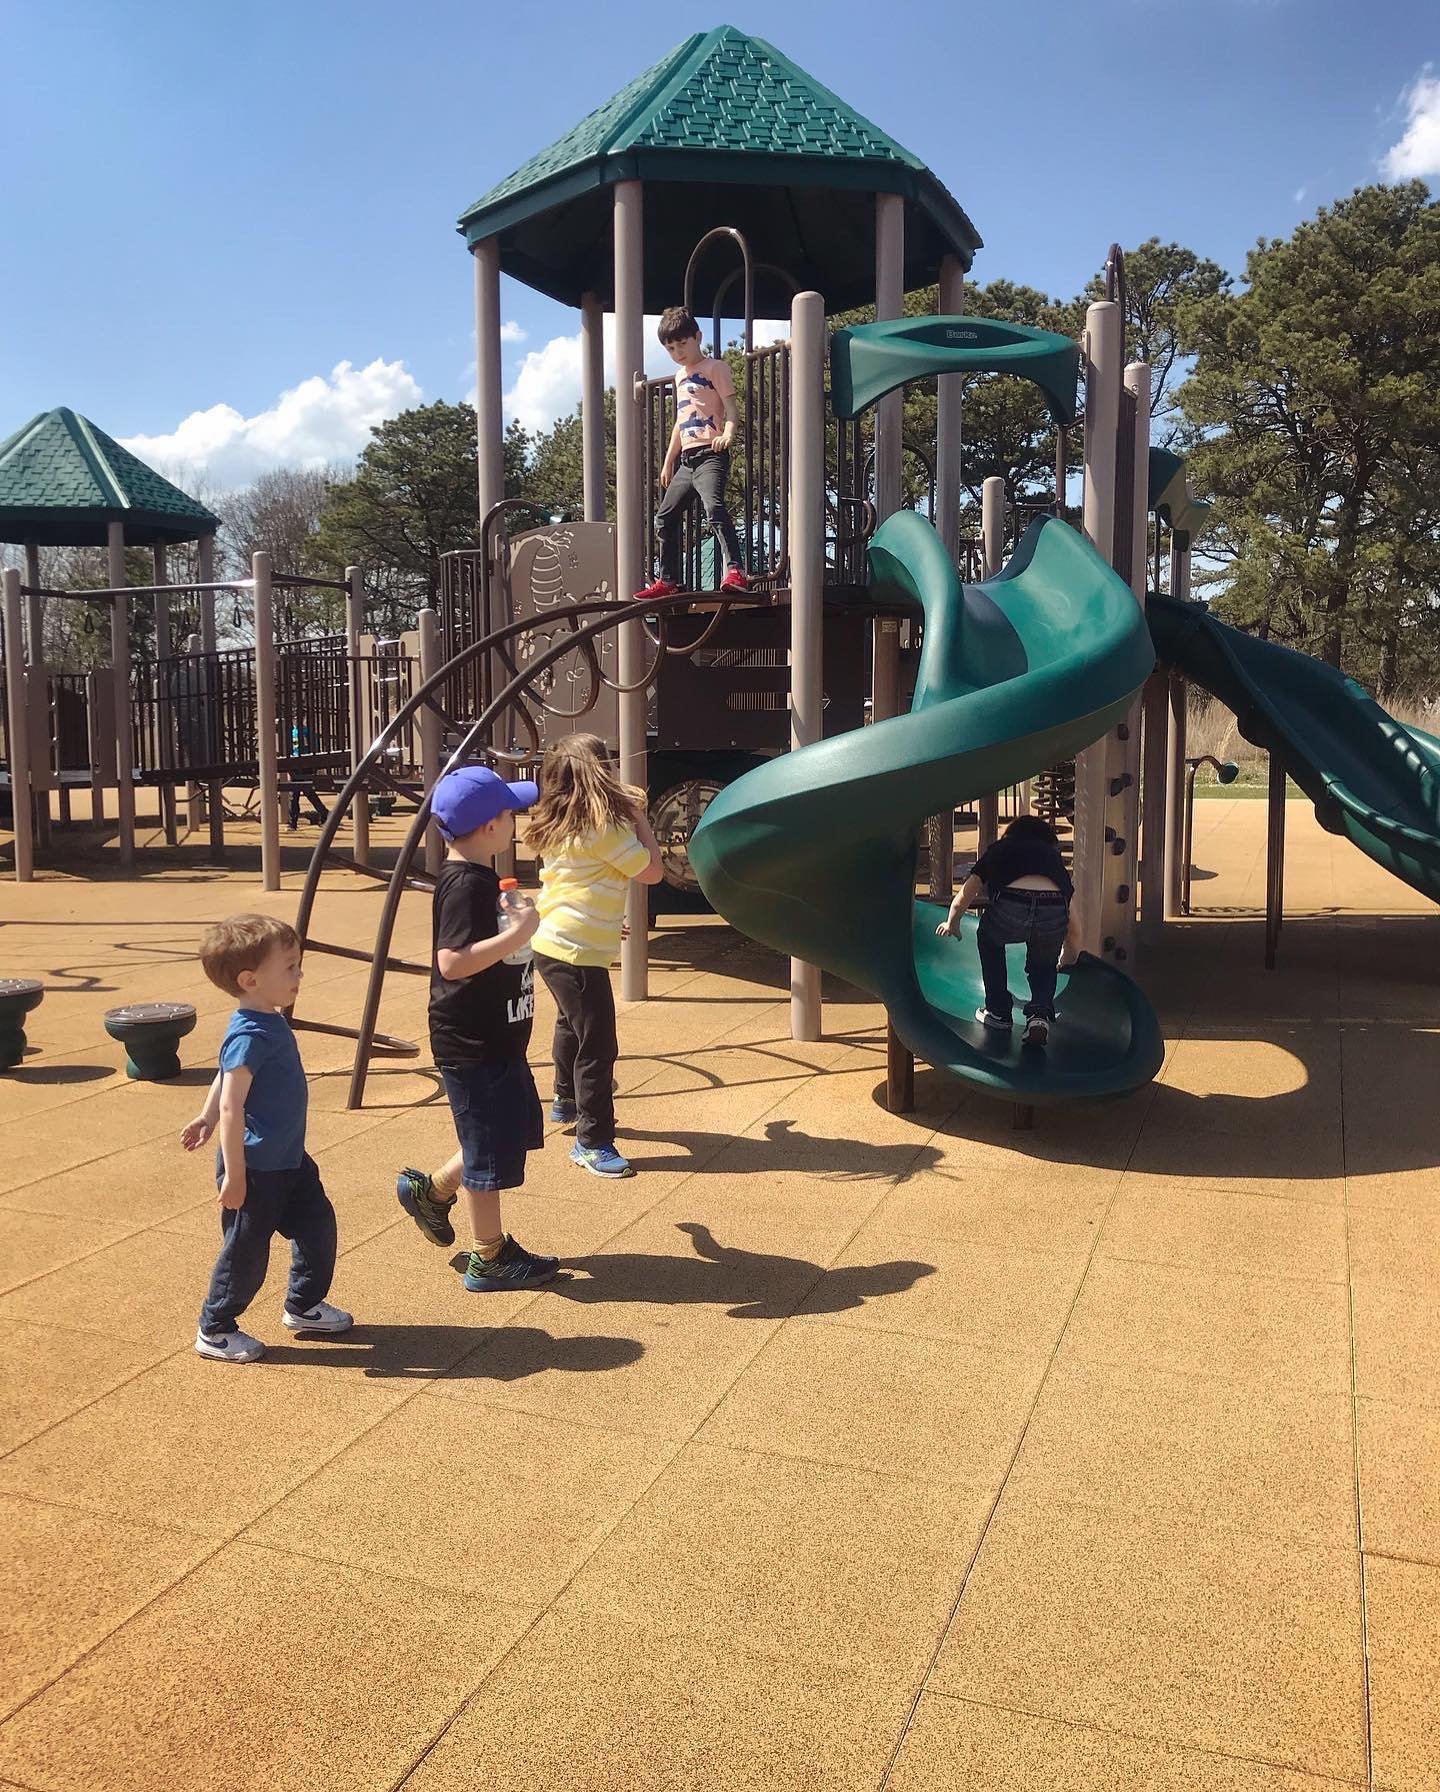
x: 486, y: 1018
x: 1008, y: 859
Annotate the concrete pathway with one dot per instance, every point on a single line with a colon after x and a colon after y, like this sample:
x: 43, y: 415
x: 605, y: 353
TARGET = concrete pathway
x: 857, y: 1451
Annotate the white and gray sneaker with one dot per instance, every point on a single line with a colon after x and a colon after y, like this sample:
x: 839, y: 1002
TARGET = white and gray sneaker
x: 229, y: 1347
x: 997, y: 1023
x: 322, y: 1317
x: 1037, y: 1031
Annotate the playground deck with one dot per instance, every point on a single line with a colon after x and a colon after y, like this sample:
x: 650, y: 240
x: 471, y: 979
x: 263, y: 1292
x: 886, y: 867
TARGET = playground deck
x: 858, y: 1450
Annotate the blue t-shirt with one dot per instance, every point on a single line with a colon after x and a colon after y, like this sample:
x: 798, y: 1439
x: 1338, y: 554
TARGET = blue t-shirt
x: 279, y: 1098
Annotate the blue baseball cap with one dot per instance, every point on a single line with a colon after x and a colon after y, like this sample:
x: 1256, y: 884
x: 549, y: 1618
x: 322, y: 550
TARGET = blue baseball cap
x: 466, y: 799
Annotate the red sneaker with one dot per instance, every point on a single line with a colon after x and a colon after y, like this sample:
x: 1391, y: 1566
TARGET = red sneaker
x: 661, y: 588
x: 735, y: 580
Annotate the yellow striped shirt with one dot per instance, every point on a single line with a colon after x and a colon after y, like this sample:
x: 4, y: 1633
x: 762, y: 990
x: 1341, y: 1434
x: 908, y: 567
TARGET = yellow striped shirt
x: 582, y: 895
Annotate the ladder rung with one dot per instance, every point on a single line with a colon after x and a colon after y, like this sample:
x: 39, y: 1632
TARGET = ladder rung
x: 383, y: 1044
x: 391, y: 964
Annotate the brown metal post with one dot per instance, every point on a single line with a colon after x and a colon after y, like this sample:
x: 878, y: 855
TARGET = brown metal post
x: 120, y: 677
x: 632, y: 504
x: 164, y: 649
x: 899, y: 1073
x: 1274, y: 861
x: 266, y: 741
x: 358, y: 675
x: 17, y: 729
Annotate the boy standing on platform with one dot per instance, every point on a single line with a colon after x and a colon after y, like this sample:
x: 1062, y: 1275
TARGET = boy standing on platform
x: 697, y: 461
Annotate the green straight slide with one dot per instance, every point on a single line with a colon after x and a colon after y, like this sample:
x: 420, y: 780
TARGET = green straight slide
x: 814, y: 853
x: 1369, y: 777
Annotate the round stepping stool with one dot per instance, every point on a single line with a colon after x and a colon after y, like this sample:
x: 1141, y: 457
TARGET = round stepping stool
x: 151, y: 1033
x: 18, y: 995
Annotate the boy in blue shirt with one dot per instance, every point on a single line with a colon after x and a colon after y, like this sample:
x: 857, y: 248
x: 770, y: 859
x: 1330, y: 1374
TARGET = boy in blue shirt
x: 267, y: 1181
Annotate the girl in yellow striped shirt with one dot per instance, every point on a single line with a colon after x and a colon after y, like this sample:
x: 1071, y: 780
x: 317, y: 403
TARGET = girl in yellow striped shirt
x: 593, y: 835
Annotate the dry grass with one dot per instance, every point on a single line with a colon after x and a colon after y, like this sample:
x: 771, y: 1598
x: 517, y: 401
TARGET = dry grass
x: 1212, y: 728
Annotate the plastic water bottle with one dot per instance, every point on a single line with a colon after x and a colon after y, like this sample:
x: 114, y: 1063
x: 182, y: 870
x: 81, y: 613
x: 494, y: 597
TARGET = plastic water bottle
x: 510, y: 904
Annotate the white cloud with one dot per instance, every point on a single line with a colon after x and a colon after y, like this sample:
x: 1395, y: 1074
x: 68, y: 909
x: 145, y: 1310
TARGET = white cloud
x: 322, y: 420
x: 547, y: 382
x: 1299, y: 194
x: 510, y: 331
x: 1417, y: 154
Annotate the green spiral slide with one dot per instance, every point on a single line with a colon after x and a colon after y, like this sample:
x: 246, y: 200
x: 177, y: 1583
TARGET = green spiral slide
x: 814, y: 853
x: 1370, y: 778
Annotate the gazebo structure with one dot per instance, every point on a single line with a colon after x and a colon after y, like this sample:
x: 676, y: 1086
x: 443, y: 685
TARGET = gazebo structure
x: 65, y: 483
x: 724, y: 135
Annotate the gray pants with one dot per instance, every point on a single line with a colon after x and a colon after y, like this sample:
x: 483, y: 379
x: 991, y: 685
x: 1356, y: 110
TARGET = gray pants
x: 701, y: 473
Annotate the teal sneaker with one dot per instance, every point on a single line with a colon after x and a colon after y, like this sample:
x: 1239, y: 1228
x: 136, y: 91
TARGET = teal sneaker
x: 416, y: 1194
x: 515, y: 1267
x: 601, y: 1160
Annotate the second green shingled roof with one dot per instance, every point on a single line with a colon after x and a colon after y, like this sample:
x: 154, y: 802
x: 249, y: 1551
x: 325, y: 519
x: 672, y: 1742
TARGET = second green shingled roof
x: 63, y: 481
x: 722, y: 107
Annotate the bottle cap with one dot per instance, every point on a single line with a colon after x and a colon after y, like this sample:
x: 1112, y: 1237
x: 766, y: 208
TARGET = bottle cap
x: 509, y: 883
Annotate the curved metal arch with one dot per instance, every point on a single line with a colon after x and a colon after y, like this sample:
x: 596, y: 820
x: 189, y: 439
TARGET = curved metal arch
x: 611, y: 615
x: 747, y: 268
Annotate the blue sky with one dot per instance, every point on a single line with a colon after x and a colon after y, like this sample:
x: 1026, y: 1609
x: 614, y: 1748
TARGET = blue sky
x: 207, y: 209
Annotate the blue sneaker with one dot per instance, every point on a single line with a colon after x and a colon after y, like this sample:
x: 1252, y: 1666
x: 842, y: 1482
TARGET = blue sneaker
x: 416, y: 1194
x: 601, y: 1160
x: 563, y: 1113
x: 515, y: 1267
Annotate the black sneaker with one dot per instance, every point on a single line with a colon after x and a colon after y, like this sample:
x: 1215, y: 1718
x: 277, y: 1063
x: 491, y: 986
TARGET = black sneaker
x: 515, y: 1267
x: 417, y: 1196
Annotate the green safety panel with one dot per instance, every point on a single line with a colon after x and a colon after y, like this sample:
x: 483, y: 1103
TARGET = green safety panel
x: 872, y: 359
x: 814, y: 853
x: 1170, y: 494
x: 1370, y: 778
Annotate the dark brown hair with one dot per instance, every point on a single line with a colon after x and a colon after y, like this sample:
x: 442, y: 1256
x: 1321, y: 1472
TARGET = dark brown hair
x: 242, y: 943
x: 676, y: 324
x: 1032, y: 827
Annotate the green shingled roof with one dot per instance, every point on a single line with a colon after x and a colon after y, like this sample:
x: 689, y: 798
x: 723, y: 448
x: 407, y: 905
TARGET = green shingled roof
x: 753, y: 141
x: 63, y: 481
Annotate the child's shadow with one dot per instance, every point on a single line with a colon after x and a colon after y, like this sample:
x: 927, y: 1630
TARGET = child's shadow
x: 748, y: 1284
x: 459, y: 1352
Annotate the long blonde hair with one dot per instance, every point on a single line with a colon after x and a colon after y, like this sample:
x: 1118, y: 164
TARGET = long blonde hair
x: 579, y: 794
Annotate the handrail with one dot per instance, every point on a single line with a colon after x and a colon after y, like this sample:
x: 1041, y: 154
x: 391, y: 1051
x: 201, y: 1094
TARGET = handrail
x: 1115, y: 279
x: 610, y: 615
x: 724, y: 230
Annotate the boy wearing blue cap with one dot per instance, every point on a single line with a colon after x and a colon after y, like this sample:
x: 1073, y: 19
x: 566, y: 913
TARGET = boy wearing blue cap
x: 482, y: 1007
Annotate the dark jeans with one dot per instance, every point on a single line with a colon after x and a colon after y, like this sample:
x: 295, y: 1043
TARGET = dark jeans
x: 292, y: 1203
x: 496, y: 1110
x: 1037, y: 917
x: 586, y: 1044
x: 701, y: 473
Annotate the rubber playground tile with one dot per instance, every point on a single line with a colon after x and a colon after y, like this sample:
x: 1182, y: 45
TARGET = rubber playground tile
x: 1417, y: 1189
x: 33, y: 1244
x: 747, y: 1268
x: 1285, y: 1078
x: 1167, y: 1632
x: 68, y: 1580
x: 1402, y: 1609
x: 1308, y: 1168
x: 1193, y: 1451
x: 927, y: 1408
x: 1023, y: 1208
x: 1397, y: 1342
x: 146, y: 1289
x: 952, y: 1744
x: 145, y: 1451
x: 1251, y: 1330
x: 1400, y: 1478
x: 596, y: 1702
x: 756, y: 1210
x: 134, y: 1187
x: 366, y: 1669
x: 46, y: 1374
x: 648, y: 1367
x: 1226, y: 1230
x: 799, y: 1560
x: 1397, y: 1246
x: 996, y: 1299
x: 404, y: 1495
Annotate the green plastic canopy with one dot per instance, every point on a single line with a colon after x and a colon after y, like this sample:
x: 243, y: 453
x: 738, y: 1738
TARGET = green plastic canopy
x: 870, y: 360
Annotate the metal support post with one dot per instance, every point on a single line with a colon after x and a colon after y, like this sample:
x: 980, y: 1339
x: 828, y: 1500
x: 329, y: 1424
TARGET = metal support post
x: 592, y: 406
x: 949, y: 430
x: 431, y: 756
x: 120, y: 678
x: 266, y: 743
x: 992, y: 553
x: 1274, y: 861
x: 631, y: 503
x: 164, y: 648
x: 807, y: 573
x: 17, y: 729
x: 358, y: 676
